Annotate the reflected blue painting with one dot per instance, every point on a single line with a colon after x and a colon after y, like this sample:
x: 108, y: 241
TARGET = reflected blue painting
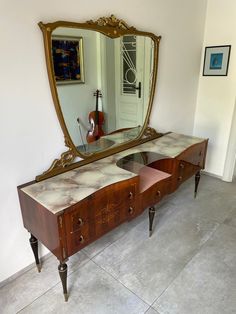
x: 67, y: 55
x: 216, y: 61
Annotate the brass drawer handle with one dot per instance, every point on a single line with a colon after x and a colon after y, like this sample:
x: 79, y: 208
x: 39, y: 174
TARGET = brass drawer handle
x: 131, y: 195
x: 181, y: 166
x: 180, y: 178
x: 81, y: 239
x: 158, y: 193
x: 131, y: 210
x: 80, y: 222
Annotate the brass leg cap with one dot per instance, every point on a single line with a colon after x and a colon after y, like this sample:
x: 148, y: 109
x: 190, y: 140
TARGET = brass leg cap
x: 66, y: 296
x: 38, y: 267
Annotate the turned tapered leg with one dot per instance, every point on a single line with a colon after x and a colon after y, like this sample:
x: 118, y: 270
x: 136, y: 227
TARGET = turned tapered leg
x: 197, y: 179
x: 34, y: 245
x: 62, y: 268
x: 152, y: 212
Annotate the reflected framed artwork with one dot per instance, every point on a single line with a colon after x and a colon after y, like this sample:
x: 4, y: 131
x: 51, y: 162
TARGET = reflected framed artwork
x: 216, y: 60
x: 67, y: 56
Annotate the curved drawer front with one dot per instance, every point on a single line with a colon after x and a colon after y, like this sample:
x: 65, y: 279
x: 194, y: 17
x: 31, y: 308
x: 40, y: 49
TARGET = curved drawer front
x: 194, y: 155
x: 100, y: 213
x: 155, y: 193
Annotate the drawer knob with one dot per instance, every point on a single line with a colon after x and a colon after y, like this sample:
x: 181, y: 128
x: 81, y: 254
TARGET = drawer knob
x: 181, y: 166
x: 81, y: 239
x: 158, y: 193
x: 131, y: 210
x: 131, y: 195
x: 200, y: 153
x: 179, y: 178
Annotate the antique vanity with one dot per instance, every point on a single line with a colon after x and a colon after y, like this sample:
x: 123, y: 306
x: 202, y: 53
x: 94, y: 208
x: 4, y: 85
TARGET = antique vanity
x: 122, y: 172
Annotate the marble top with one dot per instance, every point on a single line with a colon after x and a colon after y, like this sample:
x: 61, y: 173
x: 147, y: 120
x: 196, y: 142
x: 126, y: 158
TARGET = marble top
x: 62, y: 191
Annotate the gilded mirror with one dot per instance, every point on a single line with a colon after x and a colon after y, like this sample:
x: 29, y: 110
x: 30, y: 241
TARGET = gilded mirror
x: 102, y: 76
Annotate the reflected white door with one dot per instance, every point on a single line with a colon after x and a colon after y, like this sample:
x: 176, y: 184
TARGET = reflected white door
x: 133, y: 70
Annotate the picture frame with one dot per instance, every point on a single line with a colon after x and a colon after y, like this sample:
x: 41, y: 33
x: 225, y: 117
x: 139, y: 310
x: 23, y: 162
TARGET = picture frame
x: 67, y: 58
x: 216, y: 60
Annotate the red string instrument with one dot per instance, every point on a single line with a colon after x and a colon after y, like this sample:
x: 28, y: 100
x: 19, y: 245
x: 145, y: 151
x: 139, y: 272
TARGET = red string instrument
x: 96, y: 119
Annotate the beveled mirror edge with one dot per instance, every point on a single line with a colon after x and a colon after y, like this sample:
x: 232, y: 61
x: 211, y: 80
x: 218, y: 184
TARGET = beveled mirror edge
x: 114, y: 28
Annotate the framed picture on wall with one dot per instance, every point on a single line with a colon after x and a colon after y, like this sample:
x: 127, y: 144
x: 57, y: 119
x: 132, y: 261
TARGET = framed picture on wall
x: 67, y: 55
x: 216, y: 60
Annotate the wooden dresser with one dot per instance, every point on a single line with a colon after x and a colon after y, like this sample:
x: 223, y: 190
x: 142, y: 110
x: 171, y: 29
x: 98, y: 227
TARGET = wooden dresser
x: 69, y: 211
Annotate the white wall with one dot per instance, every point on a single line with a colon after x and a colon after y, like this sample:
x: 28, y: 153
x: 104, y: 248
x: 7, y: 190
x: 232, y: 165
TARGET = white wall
x: 30, y: 135
x: 216, y: 95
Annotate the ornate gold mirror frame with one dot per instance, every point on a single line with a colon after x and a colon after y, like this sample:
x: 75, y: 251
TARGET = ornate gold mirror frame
x: 113, y: 28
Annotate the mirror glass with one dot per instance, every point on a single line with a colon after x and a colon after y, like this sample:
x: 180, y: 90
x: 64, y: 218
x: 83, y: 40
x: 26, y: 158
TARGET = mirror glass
x: 103, y: 85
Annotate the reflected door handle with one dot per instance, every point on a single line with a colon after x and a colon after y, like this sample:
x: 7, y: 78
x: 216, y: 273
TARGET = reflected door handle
x: 138, y: 88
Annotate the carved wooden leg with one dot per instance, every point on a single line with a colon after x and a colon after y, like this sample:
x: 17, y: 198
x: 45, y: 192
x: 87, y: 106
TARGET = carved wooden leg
x: 197, y: 179
x: 34, y: 245
x: 152, y: 212
x: 62, y: 268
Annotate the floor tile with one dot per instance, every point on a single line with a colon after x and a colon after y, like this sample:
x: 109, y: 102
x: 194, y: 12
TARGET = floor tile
x: 30, y: 285
x: 212, y: 203
x: 99, y: 245
x: 92, y: 291
x: 148, y: 265
x: 112, y: 236
x: 231, y: 219
x: 208, y: 283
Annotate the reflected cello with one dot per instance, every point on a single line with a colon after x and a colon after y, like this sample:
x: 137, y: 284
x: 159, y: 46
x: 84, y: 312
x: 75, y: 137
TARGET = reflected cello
x: 96, y: 120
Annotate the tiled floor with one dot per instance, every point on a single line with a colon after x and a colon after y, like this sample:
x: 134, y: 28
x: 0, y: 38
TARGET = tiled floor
x: 188, y: 266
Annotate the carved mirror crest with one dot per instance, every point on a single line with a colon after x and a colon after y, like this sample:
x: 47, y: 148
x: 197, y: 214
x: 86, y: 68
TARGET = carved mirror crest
x: 102, y: 76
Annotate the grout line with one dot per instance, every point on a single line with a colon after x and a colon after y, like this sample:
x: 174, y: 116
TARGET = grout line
x: 53, y: 286
x: 24, y: 270
x: 37, y: 298
x: 108, y: 245
x: 188, y: 262
x: 152, y: 309
x: 120, y: 282
x: 114, y: 241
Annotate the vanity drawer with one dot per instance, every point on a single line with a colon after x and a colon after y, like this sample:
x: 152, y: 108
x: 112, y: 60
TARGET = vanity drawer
x: 77, y: 240
x: 77, y: 216
x: 120, y: 206
x: 194, y: 155
x: 185, y: 171
x: 99, y: 213
x: 154, y: 194
x: 108, y: 220
x: 123, y: 193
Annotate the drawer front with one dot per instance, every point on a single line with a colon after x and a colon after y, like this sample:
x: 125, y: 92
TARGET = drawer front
x: 185, y: 171
x: 120, y: 206
x: 108, y: 220
x: 77, y: 227
x: 155, y: 193
x: 77, y: 240
x: 194, y: 155
x: 99, y: 213
x: 122, y: 195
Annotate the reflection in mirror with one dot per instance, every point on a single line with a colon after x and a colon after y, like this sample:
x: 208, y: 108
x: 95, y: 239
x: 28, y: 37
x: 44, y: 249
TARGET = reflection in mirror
x: 103, y: 85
